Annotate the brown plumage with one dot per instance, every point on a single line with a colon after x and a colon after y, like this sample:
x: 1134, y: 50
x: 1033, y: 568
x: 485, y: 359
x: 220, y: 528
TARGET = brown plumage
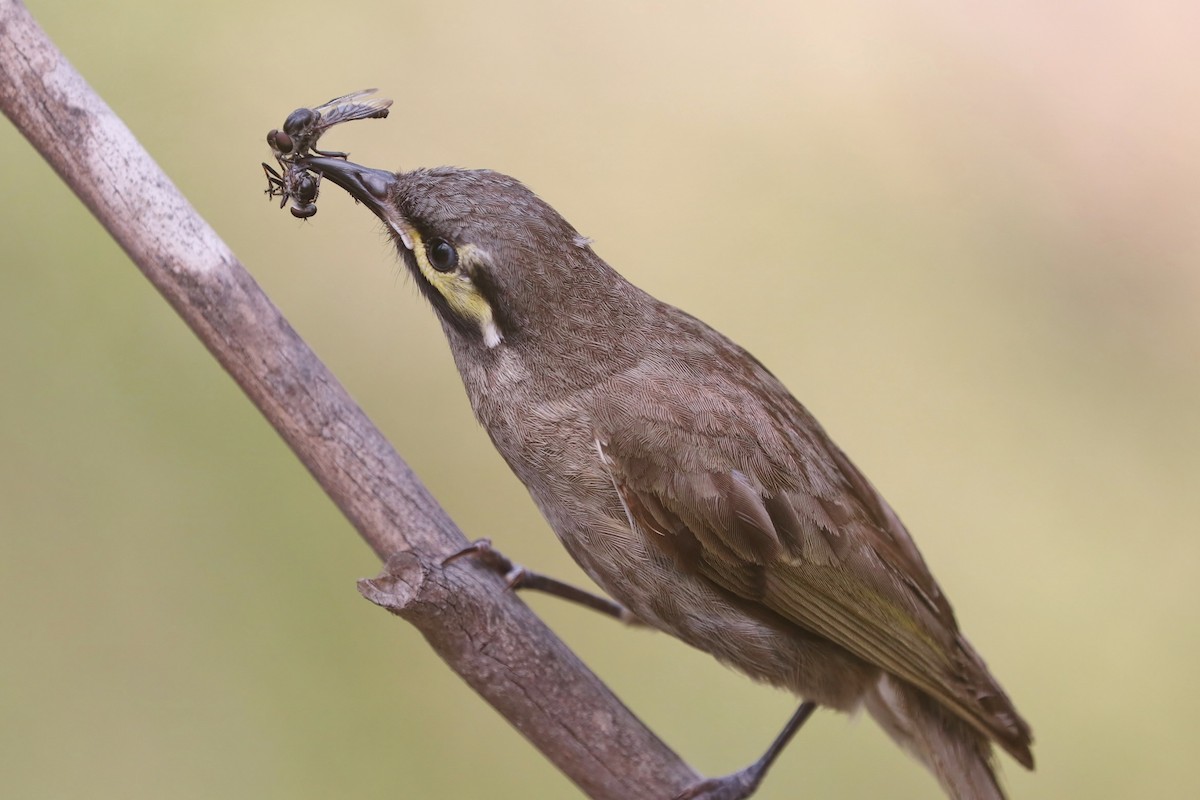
x: 684, y: 478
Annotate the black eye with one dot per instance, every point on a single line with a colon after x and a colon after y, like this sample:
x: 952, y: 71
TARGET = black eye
x: 442, y: 255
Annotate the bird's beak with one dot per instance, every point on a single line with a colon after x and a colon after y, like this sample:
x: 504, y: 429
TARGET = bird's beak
x: 371, y: 187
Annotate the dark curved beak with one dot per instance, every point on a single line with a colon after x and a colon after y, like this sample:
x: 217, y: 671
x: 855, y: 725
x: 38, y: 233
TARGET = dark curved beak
x: 371, y: 187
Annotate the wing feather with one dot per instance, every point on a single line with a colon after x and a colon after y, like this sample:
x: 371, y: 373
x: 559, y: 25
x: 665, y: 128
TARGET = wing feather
x: 755, y: 498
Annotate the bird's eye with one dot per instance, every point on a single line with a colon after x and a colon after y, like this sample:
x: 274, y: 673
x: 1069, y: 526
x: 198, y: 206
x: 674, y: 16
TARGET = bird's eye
x: 442, y: 255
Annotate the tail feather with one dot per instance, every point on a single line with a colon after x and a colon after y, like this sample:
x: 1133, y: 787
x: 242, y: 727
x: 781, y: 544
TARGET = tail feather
x: 958, y: 755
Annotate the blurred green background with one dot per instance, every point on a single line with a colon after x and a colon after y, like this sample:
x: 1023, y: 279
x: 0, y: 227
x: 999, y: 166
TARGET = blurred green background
x: 966, y: 235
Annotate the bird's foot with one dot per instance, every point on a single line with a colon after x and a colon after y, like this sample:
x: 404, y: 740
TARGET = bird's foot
x: 736, y: 786
x: 741, y: 785
x: 482, y: 551
x: 518, y: 577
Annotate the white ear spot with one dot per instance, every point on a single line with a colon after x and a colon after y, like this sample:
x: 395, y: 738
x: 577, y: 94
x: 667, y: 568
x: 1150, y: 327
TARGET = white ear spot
x: 581, y: 241
x: 491, y: 334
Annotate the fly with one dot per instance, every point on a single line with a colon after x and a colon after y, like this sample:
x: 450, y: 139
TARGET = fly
x: 298, y: 140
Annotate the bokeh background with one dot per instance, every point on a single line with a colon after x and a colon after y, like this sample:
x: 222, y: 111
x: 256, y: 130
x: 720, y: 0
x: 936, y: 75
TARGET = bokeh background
x: 966, y: 235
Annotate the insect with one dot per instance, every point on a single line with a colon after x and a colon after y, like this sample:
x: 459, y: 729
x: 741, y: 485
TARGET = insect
x: 298, y: 139
x: 295, y: 183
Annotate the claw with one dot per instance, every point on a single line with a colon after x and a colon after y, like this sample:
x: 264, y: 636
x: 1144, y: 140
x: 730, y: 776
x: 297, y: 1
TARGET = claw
x: 744, y: 783
x: 489, y: 556
x: 737, y: 786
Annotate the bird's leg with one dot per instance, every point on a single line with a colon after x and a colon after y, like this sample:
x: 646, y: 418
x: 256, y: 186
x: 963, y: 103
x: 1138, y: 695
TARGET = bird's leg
x: 520, y: 578
x: 740, y: 785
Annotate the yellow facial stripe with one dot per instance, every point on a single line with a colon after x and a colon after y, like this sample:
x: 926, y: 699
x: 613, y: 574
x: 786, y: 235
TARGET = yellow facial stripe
x: 459, y: 290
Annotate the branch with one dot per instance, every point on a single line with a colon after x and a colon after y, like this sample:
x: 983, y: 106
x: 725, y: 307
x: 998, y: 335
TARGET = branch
x: 482, y: 631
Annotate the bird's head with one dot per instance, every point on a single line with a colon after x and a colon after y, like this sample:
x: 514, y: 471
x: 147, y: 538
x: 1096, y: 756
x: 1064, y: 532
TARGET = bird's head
x: 502, y: 269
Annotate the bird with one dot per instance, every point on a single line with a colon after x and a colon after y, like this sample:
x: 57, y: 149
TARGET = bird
x: 686, y: 480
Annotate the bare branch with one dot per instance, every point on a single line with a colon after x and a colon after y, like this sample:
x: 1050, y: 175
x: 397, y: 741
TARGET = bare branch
x: 485, y: 633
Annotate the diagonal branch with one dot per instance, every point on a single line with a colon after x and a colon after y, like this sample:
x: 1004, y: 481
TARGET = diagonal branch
x: 483, y: 632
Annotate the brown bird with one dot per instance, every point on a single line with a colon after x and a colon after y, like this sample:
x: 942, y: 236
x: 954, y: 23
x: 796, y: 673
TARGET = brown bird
x: 685, y: 479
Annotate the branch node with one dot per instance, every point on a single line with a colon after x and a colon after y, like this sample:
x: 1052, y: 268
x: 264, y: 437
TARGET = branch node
x: 399, y: 585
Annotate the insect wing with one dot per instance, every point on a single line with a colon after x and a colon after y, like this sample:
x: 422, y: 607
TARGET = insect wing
x: 357, y: 105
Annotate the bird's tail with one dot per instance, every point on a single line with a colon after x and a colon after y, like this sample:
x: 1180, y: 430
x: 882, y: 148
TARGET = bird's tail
x: 957, y: 754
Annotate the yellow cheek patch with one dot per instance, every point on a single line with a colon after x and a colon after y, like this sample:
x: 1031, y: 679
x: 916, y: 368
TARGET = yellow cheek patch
x: 459, y: 290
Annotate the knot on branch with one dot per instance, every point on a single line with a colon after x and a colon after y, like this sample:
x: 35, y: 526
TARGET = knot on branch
x: 399, y: 585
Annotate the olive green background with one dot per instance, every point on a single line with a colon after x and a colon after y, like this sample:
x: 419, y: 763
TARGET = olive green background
x: 965, y: 235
